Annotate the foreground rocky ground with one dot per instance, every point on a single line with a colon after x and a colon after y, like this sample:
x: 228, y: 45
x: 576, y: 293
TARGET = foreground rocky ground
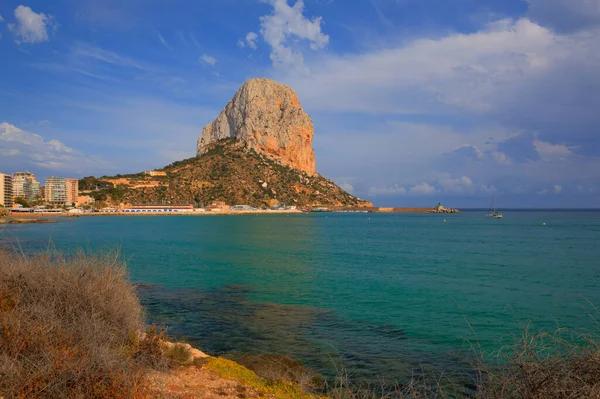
x: 197, y: 381
x: 213, y: 377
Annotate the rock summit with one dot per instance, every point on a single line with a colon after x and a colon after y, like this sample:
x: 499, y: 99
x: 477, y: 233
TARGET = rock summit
x: 268, y: 117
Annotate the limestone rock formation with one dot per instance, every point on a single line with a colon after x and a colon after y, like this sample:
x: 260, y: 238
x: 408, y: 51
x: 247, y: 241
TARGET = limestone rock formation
x: 267, y: 116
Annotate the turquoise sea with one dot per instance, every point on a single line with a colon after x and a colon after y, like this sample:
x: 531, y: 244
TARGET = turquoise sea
x: 382, y: 293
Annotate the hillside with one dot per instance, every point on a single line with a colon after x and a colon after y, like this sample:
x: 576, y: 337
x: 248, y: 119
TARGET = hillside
x: 228, y: 171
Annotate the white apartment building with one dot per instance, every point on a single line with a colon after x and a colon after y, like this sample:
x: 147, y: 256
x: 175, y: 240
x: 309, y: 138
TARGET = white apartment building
x: 25, y: 186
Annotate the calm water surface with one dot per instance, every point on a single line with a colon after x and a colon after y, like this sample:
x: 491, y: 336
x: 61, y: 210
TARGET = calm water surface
x: 383, y: 293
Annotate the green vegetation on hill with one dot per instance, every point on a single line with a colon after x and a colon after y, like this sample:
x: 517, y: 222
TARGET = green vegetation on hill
x: 228, y: 172
x: 91, y: 183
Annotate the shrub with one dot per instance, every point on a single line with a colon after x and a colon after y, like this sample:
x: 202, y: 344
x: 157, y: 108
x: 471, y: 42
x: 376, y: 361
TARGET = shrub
x: 70, y: 328
x: 178, y: 355
x: 565, y: 364
x: 540, y: 365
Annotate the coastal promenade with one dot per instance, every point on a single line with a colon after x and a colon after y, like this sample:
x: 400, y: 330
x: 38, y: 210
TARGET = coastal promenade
x: 41, y: 217
x: 229, y: 212
x: 44, y: 216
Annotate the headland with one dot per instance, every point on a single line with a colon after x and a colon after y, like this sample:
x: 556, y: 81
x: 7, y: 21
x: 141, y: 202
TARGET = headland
x: 256, y: 157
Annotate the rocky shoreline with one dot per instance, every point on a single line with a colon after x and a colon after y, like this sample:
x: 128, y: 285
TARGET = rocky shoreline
x: 444, y: 210
x: 26, y: 221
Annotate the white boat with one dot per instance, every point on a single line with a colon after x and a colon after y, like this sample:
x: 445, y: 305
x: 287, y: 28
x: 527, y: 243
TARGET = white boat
x: 492, y: 212
x: 494, y: 215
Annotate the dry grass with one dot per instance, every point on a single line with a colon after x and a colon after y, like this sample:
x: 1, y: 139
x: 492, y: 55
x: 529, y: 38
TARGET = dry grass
x: 565, y: 364
x: 562, y: 365
x: 430, y: 386
x: 70, y: 328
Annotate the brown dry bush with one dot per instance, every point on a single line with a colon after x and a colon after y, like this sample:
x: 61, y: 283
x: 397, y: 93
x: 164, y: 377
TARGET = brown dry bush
x: 430, y: 385
x: 564, y: 364
x: 539, y: 365
x: 70, y: 328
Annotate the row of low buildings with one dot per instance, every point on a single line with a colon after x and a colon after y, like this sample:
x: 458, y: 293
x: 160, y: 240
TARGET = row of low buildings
x: 58, y: 191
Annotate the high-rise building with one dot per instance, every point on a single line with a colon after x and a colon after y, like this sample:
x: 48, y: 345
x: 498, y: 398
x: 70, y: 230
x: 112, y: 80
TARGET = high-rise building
x: 25, y: 186
x: 61, y: 191
x: 72, y: 190
x: 56, y: 191
x: 6, y: 192
x: 35, y: 191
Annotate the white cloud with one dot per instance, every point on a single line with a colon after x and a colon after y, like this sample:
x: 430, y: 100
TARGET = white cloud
x: 476, y: 151
x: 9, y: 151
x: 349, y: 188
x: 163, y: 41
x: 30, y: 27
x: 85, y: 50
x: 460, y: 70
x: 447, y: 184
x: 207, y: 59
x: 1, y: 18
x: 249, y: 40
x: 543, y: 191
x: 500, y: 158
x: 460, y: 185
x: 29, y: 149
x: 422, y: 189
x: 406, y: 154
x: 287, y: 25
x: 557, y: 188
x: 512, y: 67
x: 531, y: 81
x: 384, y: 191
x: 552, y: 151
x: 193, y: 37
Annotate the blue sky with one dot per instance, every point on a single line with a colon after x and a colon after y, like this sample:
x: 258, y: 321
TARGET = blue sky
x: 414, y: 101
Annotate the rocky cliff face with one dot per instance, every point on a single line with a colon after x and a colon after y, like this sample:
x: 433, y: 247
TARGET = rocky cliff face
x: 267, y: 116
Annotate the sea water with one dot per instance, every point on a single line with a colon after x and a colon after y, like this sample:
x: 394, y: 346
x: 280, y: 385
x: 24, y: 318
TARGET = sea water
x: 382, y: 294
